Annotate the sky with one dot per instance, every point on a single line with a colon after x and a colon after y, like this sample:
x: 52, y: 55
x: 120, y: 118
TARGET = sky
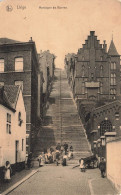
x: 64, y: 30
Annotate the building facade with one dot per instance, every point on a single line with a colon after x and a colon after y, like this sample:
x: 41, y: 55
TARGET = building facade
x: 12, y: 128
x: 19, y: 66
x: 94, y: 76
x: 47, y: 66
x: 96, y: 71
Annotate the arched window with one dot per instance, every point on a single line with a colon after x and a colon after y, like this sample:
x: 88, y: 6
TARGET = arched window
x: 113, y: 79
x: 83, y: 70
x: 113, y: 65
x: 113, y: 91
x: 101, y: 70
x: 83, y: 88
x: 105, y: 126
x: 101, y: 58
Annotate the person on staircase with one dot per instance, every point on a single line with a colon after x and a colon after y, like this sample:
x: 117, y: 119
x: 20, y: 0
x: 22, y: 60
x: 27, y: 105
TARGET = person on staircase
x: 65, y: 147
x: 58, y: 147
x: 64, y: 160
x: 71, y: 148
x: 57, y: 157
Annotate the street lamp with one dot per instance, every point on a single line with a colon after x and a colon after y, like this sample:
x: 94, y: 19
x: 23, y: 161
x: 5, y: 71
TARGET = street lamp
x: 98, y: 143
x: 102, y: 140
x: 94, y: 144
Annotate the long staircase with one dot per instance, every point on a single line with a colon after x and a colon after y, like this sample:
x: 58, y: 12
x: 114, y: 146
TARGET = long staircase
x: 62, y: 123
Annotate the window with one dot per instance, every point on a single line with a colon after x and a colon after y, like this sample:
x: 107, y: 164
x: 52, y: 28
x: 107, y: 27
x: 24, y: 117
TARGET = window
x: 105, y: 126
x: 101, y: 58
x: 83, y: 88
x: 83, y: 71
x: 101, y: 87
x: 8, y: 125
x: 1, y: 83
x: 20, y: 121
x: 113, y: 79
x: 22, y: 144
x: 92, y: 76
x: 113, y: 66
x: 19, y: 64
x: 20, y: 83
x: 101, y: 70
x: 117, y: 116
x: 82, y: 58
x: 1, y: 65
x: 113, y: 91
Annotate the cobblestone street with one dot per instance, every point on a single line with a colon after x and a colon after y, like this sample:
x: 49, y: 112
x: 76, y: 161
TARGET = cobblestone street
x: 53, y: 180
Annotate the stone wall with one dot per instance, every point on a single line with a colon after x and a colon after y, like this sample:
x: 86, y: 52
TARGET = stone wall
x: 114, y: 162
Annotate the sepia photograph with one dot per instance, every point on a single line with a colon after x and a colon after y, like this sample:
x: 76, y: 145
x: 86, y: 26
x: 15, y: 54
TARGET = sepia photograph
x: 60, y: 97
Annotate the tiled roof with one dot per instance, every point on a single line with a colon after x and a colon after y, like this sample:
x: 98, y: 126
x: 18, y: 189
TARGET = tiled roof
x: 9, y: 96
x: 112, y: 49
x: 7, y: 41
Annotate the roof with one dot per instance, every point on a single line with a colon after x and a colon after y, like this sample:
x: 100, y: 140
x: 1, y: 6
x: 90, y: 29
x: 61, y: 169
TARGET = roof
x: 112, y: 49
x: 107, y: 106
x: 7, y: 41
x: 9, y: 96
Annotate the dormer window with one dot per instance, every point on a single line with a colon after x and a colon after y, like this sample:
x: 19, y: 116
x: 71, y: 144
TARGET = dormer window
x: 19, y: 64
x: 19, y: 83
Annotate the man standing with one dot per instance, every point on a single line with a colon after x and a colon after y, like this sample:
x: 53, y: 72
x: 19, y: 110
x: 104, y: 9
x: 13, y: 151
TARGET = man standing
x: 65, y: 147
x: 102, y: 167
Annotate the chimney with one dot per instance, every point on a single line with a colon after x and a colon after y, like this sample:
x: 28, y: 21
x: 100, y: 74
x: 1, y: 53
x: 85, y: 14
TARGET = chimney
x: 30, y: 39
x: 92, y: 33
x: 105, y: 45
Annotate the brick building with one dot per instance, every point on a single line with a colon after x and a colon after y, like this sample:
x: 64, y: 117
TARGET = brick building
x: 19, y: 66
x: 94, y: 76
x: 104, y: 121
x: 46, y: 60
x: 96, y: 71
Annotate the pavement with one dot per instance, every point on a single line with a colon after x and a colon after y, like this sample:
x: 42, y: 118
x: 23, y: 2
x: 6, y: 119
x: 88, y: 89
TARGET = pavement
x: 16, y: 180
x: 58, y: 180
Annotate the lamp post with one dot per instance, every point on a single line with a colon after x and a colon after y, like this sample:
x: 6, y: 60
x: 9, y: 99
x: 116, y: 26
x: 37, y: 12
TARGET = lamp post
x: 103, y: 148
x: 98, y: 145
x: 95, y: 147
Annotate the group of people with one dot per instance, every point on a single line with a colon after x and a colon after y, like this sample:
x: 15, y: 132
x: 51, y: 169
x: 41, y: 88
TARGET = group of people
x: 102, y: 166
x: 60, y: 153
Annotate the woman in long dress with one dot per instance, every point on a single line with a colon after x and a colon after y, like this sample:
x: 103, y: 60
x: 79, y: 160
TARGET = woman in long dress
x: 82, y: 166
x: 7, y: 175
